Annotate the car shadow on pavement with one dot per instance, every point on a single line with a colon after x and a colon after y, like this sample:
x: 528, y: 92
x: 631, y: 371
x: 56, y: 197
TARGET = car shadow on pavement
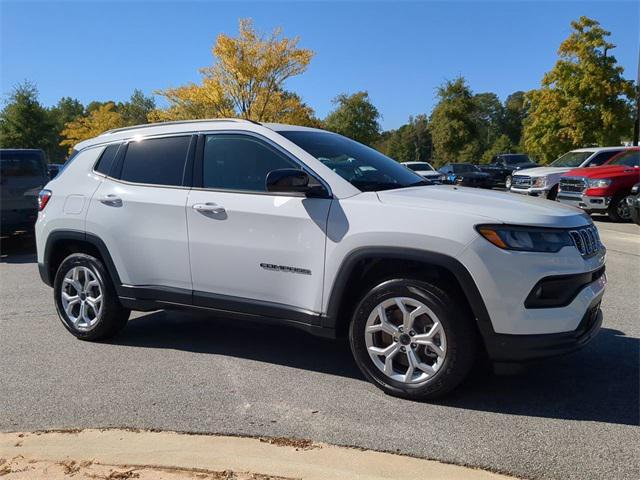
x: 599, y: 383
x: 201, y: 333
x: 18, y: 248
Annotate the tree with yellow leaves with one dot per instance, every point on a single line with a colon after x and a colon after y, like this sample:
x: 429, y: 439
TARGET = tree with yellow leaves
x: 99, y: 120
x: 246, y: 80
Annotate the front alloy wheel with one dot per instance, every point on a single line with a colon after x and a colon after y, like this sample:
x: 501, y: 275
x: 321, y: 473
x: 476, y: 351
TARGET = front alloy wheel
x: 405, y: 340
x: 413, y: 339
x: 507, y: 182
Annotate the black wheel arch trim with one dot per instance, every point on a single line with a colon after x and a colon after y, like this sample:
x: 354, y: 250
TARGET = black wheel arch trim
x: 454, y: 266
x: 75, y: 235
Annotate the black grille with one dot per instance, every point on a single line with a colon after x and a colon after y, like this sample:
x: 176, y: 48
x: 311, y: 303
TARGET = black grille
x: 521, y: 181
x: 586, y: 240
x: 572, y: 184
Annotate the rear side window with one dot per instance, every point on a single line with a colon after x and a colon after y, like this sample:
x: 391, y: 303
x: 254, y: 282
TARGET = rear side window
x: 106, y: 159
x: 602, y: 157
x: 239, y: 162
x: 21, y: 164
x: 156, y: 161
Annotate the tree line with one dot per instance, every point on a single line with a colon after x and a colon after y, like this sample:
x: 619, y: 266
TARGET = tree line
x: 584, y: 100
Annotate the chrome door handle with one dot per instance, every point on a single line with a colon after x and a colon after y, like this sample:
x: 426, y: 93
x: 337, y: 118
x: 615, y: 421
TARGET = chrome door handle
x: 111, y: 200
x: 208, y: 208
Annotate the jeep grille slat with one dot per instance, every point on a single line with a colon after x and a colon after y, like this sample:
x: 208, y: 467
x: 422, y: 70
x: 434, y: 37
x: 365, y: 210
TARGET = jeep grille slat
x: 586, y: 240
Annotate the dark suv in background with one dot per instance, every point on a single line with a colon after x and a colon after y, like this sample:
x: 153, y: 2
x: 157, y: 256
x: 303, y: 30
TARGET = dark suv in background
x: 23, y: 173
x: 502, y: 167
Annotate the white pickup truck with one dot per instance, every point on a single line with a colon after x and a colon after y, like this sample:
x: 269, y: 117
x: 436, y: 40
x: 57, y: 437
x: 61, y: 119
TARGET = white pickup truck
x: 543, y: 181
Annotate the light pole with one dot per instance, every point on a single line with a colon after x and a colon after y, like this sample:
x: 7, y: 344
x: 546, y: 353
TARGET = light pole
x: 636, y: 124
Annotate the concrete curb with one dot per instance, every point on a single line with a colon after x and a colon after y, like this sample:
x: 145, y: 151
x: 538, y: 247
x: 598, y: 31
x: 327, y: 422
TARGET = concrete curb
x: 204, y: 453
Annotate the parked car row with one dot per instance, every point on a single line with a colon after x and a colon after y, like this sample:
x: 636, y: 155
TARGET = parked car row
x: 23, y: 173
x: 597, y: 180
x: 498, y: 173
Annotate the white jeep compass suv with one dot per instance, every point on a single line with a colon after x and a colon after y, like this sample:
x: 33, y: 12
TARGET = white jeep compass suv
x: 298, y: 226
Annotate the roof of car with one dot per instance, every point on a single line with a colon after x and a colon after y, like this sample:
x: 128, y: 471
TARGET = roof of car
x: 184, y: 126
x: 599, y: 149
x: 21, y: 150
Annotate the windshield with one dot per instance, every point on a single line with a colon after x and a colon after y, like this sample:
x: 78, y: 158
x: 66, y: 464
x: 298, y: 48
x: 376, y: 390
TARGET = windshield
x: 21, y: 164
x: 571, y: 159
x: 363, y: 167
x: 629, y: 159
x: 464, y: 168
x: 419, y: 167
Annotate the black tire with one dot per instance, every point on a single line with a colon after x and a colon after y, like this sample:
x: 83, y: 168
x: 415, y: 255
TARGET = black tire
x: 635, y: 215
x: 508, y: 182
x: 113, y: 316
x: 553, y: 193
x: 460, y: 331
x: 613, y: 211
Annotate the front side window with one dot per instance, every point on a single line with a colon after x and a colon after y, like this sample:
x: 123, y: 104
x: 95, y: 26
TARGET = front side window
x: 601, y: 158
x: 156, y: 161
x: 629, y: 159
x: 240, y: 162
x: 464, y: 168
x: 363, y: 167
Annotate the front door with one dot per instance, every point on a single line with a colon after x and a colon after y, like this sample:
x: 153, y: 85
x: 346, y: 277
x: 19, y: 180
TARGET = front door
x: 253, y: 250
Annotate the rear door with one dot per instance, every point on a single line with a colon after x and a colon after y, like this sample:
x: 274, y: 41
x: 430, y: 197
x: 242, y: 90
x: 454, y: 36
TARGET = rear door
x: 252, y: 250
x: 139, y: 213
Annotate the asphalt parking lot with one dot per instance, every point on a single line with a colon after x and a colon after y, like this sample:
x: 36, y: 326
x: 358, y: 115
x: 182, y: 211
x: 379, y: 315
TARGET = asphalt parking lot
x: 575, y: 417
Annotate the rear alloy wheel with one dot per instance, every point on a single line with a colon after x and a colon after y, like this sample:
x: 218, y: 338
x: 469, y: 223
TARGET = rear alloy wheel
x: 86, y: 299
x: 412, y: 340
x: 619, y: 210
x: 507, y: 182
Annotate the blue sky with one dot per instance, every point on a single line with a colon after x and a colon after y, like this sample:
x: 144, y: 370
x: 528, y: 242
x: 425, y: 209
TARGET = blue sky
x: 398, y: 51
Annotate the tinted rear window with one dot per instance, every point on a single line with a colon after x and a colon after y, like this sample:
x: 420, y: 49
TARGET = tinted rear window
x: 21, y: 164
x: 106, y: 159
x: 156, y: 161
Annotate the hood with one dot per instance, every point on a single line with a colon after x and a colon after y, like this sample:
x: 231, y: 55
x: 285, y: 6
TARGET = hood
x: 603, y: 172
x: 429, y: 173
x: 542, y: 171
x: 487, y: 205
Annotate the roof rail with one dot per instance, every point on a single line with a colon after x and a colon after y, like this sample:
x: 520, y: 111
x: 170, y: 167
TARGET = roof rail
x: 175, y: 122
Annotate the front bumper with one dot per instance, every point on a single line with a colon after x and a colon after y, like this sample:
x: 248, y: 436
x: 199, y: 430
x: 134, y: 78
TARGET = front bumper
x: 585, y: 202
x: 535, y: 192
x: 524, y: 348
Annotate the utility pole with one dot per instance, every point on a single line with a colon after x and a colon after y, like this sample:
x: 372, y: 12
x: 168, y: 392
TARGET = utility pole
x: 636, y: 124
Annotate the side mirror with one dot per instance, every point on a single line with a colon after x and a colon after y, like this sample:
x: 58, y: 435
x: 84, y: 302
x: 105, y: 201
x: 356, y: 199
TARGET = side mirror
x: 292, y: 180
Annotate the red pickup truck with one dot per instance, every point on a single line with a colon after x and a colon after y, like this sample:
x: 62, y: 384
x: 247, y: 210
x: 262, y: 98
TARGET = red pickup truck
x: 603, y: 189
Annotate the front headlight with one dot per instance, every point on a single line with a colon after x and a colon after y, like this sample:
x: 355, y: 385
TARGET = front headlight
x: 599, y: 182
x: 540, y: 182
x: 525, y: 239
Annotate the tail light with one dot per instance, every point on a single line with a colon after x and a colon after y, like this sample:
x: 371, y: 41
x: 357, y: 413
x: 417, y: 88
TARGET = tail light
x: 43, y: 199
